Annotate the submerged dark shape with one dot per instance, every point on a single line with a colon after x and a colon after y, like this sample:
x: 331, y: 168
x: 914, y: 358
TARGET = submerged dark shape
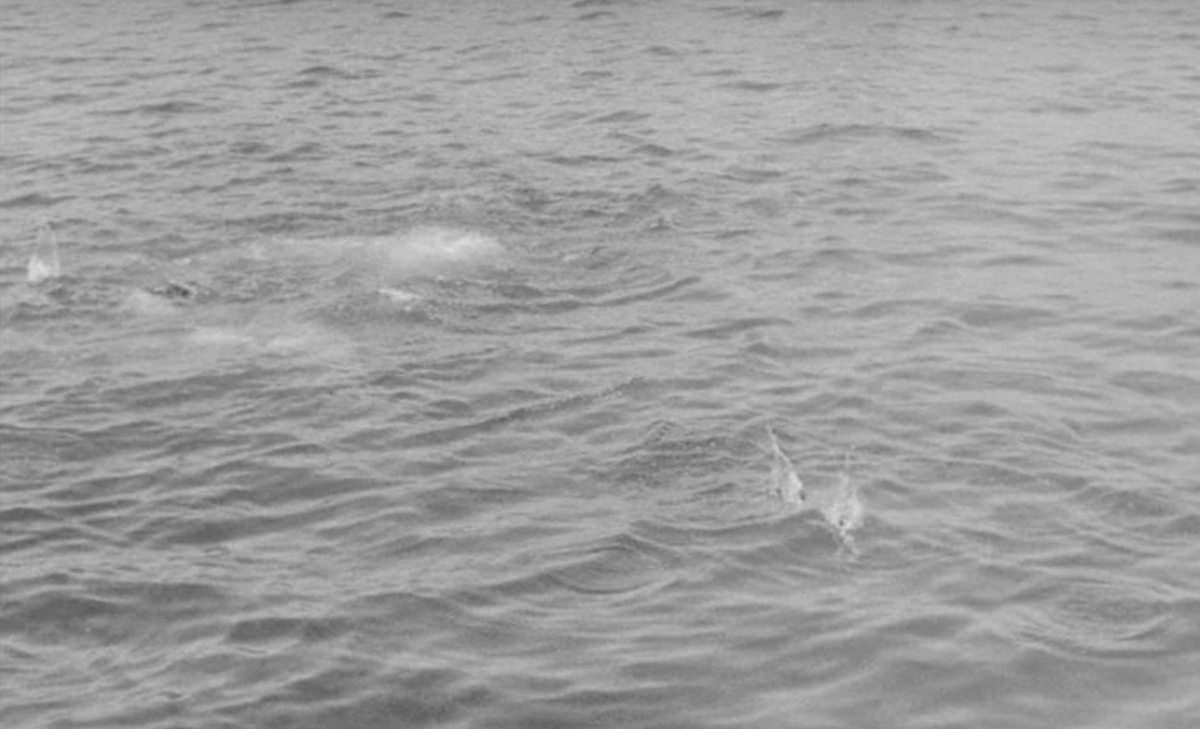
x: 180, y: 291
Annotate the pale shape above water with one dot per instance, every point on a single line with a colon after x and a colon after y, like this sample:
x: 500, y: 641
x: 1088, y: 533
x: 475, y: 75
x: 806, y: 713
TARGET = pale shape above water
x: 842, y: 507
x: 785, y: 483
x: 44, y: 263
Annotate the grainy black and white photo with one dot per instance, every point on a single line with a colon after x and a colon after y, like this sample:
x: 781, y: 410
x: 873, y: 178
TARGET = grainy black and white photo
x: 632, y: 364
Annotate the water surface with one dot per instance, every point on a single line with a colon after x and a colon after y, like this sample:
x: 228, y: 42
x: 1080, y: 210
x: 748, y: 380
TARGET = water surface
x: 415, y: 364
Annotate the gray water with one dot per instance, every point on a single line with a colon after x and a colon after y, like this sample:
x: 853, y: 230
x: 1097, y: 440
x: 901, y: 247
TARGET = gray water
x: 416, y: 364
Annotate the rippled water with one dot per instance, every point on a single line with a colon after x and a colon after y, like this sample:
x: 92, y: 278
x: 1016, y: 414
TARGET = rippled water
x: 417, y: 364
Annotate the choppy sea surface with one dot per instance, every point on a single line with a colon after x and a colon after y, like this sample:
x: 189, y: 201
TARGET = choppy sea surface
x: 423, y: 364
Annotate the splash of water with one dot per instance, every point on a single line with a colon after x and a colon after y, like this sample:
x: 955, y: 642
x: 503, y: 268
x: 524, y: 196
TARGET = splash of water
x: 44, y: 263
x: 845, y: 512
x: 785, y: 483
x: 842, y: 508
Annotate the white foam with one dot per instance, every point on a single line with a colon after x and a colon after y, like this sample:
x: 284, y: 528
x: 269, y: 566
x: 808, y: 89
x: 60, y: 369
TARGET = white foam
x: 429, y: 251
x: 391, y: 261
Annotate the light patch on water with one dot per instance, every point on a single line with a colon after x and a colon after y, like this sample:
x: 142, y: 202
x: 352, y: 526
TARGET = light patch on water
x: 143, y: 303
x: 398, y: 296
x: 422, y: 252
x: 432, y: 249
x: 217, y: 337
x: 277, y: 338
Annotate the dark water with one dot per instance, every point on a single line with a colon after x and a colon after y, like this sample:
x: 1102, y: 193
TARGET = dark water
x: 412, y: 364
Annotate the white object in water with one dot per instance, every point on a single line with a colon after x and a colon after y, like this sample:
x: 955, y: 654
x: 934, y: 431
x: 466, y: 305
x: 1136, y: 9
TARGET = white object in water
x: 44, y: 264
x: 785, y: 484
